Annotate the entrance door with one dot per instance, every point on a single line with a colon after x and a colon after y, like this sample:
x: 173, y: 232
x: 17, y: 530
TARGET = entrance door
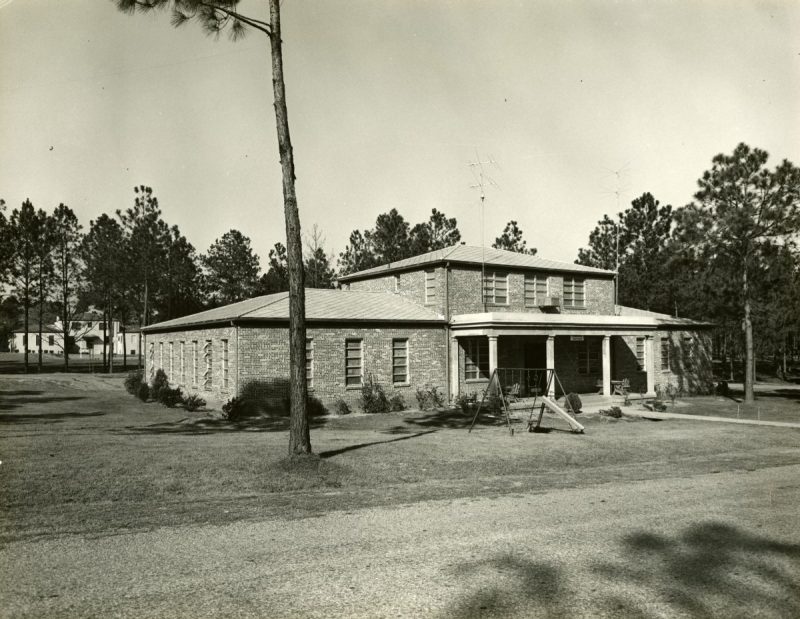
x: 535, y: 355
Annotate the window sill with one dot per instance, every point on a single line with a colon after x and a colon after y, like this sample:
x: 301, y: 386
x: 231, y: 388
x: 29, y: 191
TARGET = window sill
x: 353, y: 387
x: 470, y: 381
x: 401, y: 384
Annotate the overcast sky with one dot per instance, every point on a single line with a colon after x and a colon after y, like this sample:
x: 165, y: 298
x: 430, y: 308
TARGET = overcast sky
x: 388, y: 103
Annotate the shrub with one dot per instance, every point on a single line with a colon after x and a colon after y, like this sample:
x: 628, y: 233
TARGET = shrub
x: 143, y: 393
x: 614, y: 412
x: 723, y: 389
x: 133, y: 380
x: 573, y: 402
x: 467, y: 402
x: 315, y: 407
x: 396, y: 403
x: 160, y: 381
x: 429, y: 398
x: 373, y: 397
x: 170, y: 397
x: 193, y: 402
x: 235, y: 409
x: 340, y: 407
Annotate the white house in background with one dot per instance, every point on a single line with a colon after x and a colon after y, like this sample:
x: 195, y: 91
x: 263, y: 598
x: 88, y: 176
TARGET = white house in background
x: 128, y: 342
x: 85, y: 335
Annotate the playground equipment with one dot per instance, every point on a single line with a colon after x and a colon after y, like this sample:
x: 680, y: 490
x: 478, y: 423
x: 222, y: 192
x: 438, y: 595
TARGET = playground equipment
x: 522, y: 384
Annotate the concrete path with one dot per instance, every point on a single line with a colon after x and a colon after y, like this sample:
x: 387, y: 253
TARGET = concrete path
x: 717, y: 545
x: 749, y: 422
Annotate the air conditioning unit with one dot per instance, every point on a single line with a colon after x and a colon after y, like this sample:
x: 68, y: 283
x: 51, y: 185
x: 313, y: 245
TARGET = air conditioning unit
x: 548, y: 301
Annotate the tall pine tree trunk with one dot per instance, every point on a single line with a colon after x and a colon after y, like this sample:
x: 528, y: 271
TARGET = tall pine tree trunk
x: 40, y: 332
x: 27, y: 327
x: 749, y: 361
x: 124, y: 346
x: 105, y: 340
x: 299, y: 437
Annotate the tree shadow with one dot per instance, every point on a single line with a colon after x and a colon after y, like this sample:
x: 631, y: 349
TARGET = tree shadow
x: 46, y: 417
x: 22, y: 398
x: 455, y: 418
x: 335, y: 452
x: 526, y: 585
x: 216, y: 425
x: 711, y: 569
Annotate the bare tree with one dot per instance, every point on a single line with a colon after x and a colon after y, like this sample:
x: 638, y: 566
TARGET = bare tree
x: 215, y: 16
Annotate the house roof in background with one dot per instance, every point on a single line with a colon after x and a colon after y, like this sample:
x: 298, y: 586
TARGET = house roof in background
x: 662, y: 319
x: 321, y: 305
x: 470, y: 254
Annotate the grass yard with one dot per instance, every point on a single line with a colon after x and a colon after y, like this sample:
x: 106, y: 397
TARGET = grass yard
x: 79, y: 455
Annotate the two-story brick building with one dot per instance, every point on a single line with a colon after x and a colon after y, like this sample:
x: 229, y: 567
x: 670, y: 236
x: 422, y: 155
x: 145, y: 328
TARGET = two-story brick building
x: 447, y: 318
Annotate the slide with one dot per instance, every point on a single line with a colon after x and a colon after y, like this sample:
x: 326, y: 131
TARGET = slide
x: 555, y: 408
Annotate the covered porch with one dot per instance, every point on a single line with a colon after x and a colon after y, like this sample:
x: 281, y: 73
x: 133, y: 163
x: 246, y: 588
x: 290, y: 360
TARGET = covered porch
x: 590, y: 354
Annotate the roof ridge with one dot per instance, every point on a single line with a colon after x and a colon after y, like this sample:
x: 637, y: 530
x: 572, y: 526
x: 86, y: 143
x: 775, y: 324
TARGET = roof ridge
x: 279, y: 296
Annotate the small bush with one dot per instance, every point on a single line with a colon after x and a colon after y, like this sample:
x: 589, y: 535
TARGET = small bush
x: 467, y: 402
x: 143, y: 393
x: 235, y: 409
x: 160, y: 381
x: 132, y: 381
x: 373, y: 397
x: 573, y: 402
x: 340, y: 407
x: 193, y: 402
x: 315, y: 407
x: 723, y: 389
x: 429, y: 398
x: 614, y: 412
x: 396, y: 403
x: 170, y: 397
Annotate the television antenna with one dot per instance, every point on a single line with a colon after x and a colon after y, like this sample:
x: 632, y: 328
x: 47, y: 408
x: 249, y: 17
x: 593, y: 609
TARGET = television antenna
x: 620, y: 187
x: 482, y: 181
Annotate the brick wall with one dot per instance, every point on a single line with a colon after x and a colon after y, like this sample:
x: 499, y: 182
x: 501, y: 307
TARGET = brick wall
x: 409, y: 284
x: 190, y: 383
x: 691, y: 369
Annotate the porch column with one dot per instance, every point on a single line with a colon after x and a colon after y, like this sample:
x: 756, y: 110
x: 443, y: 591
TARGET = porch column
x: 492, y: 354
x: 650, y: 363
x: 550, y: 349
x: 606, y: 365
x: 454, y: 373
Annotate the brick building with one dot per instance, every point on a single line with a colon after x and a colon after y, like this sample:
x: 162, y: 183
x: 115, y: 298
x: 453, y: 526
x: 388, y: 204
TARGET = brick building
x: 429, y: 320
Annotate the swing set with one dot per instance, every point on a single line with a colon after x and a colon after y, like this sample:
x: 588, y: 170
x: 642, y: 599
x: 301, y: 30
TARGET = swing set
x: 537, y: 383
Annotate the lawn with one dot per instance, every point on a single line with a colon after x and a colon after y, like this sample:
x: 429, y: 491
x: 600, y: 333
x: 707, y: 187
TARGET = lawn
x: 79, y: 455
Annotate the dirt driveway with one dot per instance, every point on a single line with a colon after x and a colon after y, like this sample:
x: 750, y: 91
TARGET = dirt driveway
x: 718, y: 545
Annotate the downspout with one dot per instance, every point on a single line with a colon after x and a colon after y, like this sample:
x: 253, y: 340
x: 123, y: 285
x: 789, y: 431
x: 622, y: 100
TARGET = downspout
x: 238, y: 369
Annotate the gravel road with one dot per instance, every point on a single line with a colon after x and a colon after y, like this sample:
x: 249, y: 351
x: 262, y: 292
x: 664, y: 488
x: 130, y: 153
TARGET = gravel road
x: 719, y: 545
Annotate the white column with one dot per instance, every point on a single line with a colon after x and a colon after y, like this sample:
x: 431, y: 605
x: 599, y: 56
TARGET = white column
x: 492, y: 354
x: 454, y: 369
x: 606, y: 365
x: 650, y: 364
x: 550, y: 349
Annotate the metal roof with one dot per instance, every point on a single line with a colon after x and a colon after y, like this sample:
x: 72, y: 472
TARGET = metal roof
x: 649, y: 320
x: 321, y: 305
x: 469, y: 254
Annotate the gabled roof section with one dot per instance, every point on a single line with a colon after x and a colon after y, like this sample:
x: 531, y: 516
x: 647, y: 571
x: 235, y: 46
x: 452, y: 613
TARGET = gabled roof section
x: 469, y: 254
x: 321, y: 305
x: 662, y: 319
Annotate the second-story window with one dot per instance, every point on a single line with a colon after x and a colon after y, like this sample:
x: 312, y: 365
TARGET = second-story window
x: 495, y: 288
x: 430, y: 286
x: 536, y: 289
x: 574, y: 292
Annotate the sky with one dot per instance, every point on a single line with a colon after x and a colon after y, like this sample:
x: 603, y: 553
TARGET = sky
x: 580, y: 106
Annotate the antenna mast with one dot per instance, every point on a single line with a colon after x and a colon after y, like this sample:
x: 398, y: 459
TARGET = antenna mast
x: 617, y: 191
x: 482, y: 179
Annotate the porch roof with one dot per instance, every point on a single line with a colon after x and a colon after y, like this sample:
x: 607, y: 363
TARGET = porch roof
x: 567, y: 323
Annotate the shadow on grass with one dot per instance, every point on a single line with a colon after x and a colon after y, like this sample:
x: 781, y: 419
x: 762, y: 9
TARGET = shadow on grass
x: 454, y: 418
x: 23, y: 398
x: 46, y: 417
x: 335, y: 452
x: 211, y: 425
x: 710, y: 569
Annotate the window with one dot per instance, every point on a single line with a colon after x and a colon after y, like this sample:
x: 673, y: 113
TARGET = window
x: 51, y: 340
x: 430, y: 286
x: 476, y: 358
x: 183, y: 363
x: 495, y: 288
x: 640, y: 355
x: 132, y: 352
x: 89, y: 324
x: 309, y: 362
x: 208, y: 378
x: 161, y: 355
x: 589, y: 357
x: 353, y: 363
x: 397, y: 283
x: 536, y: 287
x: 194, y: 362
x: 101, y: 326
x: 665, y: 365
x: 224, y: 364
x: 400, y: 361
x: 150, y: 356
x: 171, y: 354
x: 38, y: 340
x: 574, y: 295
